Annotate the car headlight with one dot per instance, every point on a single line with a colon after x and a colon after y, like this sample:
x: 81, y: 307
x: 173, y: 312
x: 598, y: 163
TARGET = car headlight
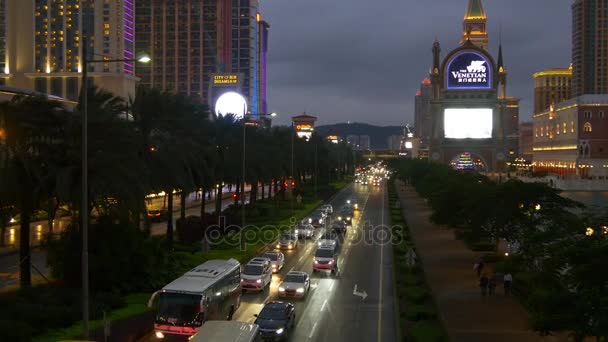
x: 280, y: 331
x: 320, y: 220
x: 274, y: 266
x: 316, y: 262
x: 339, y: 217
x: 159, y: 334
x: 296, y: 231
x: 278, y: 245
x: 348, y: 218
x: 259, y: 281
x: 281, y: 289
x: 331, y: 262
x: 300, y: 290
x: 309, y: 220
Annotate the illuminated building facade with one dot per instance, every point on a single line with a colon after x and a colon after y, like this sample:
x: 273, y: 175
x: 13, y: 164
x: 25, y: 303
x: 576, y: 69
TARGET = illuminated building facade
x: 470, y: 111
x: 474, y: 25
x: 526, y: 140
x: 571, y: 138
x: 551, y: 86
x: 188, y: 42
x: 589, y: 47
x: 41, y: 45
x: 422, y: 113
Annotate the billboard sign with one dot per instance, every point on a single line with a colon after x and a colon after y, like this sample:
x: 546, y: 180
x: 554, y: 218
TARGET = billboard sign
x: 225, y: 79
x: 468, y: 123
x: 469, y: 70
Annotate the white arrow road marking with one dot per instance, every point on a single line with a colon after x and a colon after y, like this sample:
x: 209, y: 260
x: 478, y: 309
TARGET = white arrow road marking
x: 363, y: 294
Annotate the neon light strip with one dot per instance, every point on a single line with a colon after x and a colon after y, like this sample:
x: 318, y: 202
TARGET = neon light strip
x: 128, y: 34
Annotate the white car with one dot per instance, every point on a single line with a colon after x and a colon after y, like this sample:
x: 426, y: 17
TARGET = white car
x: 306, y: 231
x: 287, y: 241
x: 277, y: 260
x: 256, y: 275
x: 296, y: 284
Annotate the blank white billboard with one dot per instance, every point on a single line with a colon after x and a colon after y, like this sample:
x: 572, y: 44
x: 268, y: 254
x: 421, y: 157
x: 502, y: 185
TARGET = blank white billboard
x: 471, y: 123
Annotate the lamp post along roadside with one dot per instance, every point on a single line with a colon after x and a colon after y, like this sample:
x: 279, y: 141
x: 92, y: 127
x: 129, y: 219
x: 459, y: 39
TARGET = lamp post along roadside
x: 84, y: 205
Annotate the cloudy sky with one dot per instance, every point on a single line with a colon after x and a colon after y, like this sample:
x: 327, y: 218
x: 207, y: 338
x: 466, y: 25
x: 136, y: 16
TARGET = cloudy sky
x: 363, y: 60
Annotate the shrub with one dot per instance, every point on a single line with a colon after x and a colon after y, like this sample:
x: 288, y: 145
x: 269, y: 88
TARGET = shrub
x: 16, y: 330
x: 483, y: 246
x: 419, y: 313
x: 415, y: 294
x: 121, y: 258
x: 190, y: 230
x: 427, y: 331
x: 490, y: 258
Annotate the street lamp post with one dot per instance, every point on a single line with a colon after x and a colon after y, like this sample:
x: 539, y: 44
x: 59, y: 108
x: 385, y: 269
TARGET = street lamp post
x: 84, y: 205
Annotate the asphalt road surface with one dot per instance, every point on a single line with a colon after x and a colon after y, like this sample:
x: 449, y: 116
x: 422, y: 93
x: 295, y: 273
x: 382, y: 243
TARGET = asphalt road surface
x: 330, y: 311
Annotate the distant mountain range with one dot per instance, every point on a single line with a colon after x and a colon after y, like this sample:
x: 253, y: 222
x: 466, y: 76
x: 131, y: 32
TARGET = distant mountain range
x: 378, y: 135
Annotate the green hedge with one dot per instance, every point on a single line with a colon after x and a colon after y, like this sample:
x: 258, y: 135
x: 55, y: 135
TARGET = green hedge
x: 420, y: 312
x: 427, y: 331
x: 483, y: 246
x: 415, y: 294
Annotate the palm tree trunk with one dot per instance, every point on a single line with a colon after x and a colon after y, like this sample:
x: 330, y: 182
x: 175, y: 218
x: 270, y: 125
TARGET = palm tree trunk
x: 25, y: 261
x: 182, y: 213
x: 238, y: 192
x: 203, y: 204
x: 218, y: 200
x: 170, y: 217
x: 270, y: 189
x: 262, y: 186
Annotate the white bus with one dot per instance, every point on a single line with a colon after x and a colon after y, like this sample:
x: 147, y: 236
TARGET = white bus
x: 210, y: 291
x: 224, y: 331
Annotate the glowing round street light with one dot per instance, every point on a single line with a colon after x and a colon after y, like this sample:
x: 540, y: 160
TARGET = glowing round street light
x: 589, y: 231
x: 231, y: 103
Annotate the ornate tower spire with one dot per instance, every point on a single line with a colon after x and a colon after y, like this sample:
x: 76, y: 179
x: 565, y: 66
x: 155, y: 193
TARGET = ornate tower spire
x: 435, y: 79
x: 474, y: 25
x: 502, y: 75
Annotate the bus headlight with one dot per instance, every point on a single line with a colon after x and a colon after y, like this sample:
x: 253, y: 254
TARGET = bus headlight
x: 159, y: 334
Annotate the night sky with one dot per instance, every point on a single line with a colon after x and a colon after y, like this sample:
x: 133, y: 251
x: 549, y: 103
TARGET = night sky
x: 363, y: 60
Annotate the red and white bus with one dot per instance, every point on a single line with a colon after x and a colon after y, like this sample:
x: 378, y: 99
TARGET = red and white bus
x: 210, y: 291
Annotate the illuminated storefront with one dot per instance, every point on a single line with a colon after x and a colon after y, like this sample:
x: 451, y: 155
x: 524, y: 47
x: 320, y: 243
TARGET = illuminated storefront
x: 304, y: 125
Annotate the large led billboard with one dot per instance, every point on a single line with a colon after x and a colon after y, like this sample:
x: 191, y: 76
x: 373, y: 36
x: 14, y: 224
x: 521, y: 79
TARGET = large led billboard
x: 467, y: 123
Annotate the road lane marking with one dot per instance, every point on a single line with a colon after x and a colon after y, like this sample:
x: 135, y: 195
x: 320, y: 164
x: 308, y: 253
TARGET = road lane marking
x: 381, y: 273
x: 312, y: 331
x: 331, y: 286
x: 323, y: 306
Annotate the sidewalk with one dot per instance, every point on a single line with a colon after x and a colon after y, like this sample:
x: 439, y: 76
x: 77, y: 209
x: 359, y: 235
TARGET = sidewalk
x: 448, y: 266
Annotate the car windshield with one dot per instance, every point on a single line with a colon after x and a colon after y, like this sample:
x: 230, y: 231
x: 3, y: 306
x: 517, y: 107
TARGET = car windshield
x: 272, y: 256
x: 328, y: 237
x: 253, y: 270
x: 295, y: 278
x: 286, y: 237
x: 324, y: 253
x: 178, y: 308
x: 274, y: 312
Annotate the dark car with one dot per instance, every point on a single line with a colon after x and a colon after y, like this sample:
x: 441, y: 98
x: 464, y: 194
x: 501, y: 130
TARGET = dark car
x: 339, y: 228
x: 157, y: 215
x: 276, y: 321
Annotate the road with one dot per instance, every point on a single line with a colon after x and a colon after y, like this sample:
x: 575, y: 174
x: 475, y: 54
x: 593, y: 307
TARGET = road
x: 330, y: 311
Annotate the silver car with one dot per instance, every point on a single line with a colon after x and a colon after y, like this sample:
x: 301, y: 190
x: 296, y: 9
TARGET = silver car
x: 287, y: 241
x: 305, y: 231
x: 277, y: 260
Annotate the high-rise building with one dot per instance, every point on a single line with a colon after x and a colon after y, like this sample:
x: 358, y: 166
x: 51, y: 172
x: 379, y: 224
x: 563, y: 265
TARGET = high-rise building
x: 551, y: 86
x: 187, y: 43
x: 589, y: 47
x: 526, y: 140
x: 396, y: 142
x: 474, y: 25
x: 364, y: 142
x: 422, y: 113
x: 41, y: 45
x: 263, y: 51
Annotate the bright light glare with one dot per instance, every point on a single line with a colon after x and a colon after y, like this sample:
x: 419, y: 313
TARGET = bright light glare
x: 231, y: 103
x: 408, y: 145
x: 462, y: 123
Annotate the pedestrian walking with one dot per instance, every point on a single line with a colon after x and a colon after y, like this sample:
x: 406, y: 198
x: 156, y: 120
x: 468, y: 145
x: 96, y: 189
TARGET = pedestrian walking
x: 478, y: 267
x: 492, y: 285
x: 483, y: 284
x: 508, y: 282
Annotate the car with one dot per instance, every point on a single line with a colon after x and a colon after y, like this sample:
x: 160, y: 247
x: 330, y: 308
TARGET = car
x: 326, y: 258
x: 331, y: 239
x: 256, y: 275
x: 346, y: 215
x: 328, y: 209
x: 277, y: 260
x: 339, y: 228
x: 317, y: 219
x: 296, y: 284
x: 305, y: 231
x: 157, y: 215
x: 276, y: 321
x: 287, y: 241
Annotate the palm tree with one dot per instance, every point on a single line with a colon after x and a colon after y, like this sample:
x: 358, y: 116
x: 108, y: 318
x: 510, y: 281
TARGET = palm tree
x: 32, y: 151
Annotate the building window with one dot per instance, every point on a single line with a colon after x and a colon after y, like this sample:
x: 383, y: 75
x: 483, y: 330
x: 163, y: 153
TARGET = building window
x: 601, y: 115
x: 542, y: 130
x: 565, y: 128
x: 587, y: 114
x: 536, y: 132
x: 587, y: 127
x: 557, y: 130
x: 571, y: 126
